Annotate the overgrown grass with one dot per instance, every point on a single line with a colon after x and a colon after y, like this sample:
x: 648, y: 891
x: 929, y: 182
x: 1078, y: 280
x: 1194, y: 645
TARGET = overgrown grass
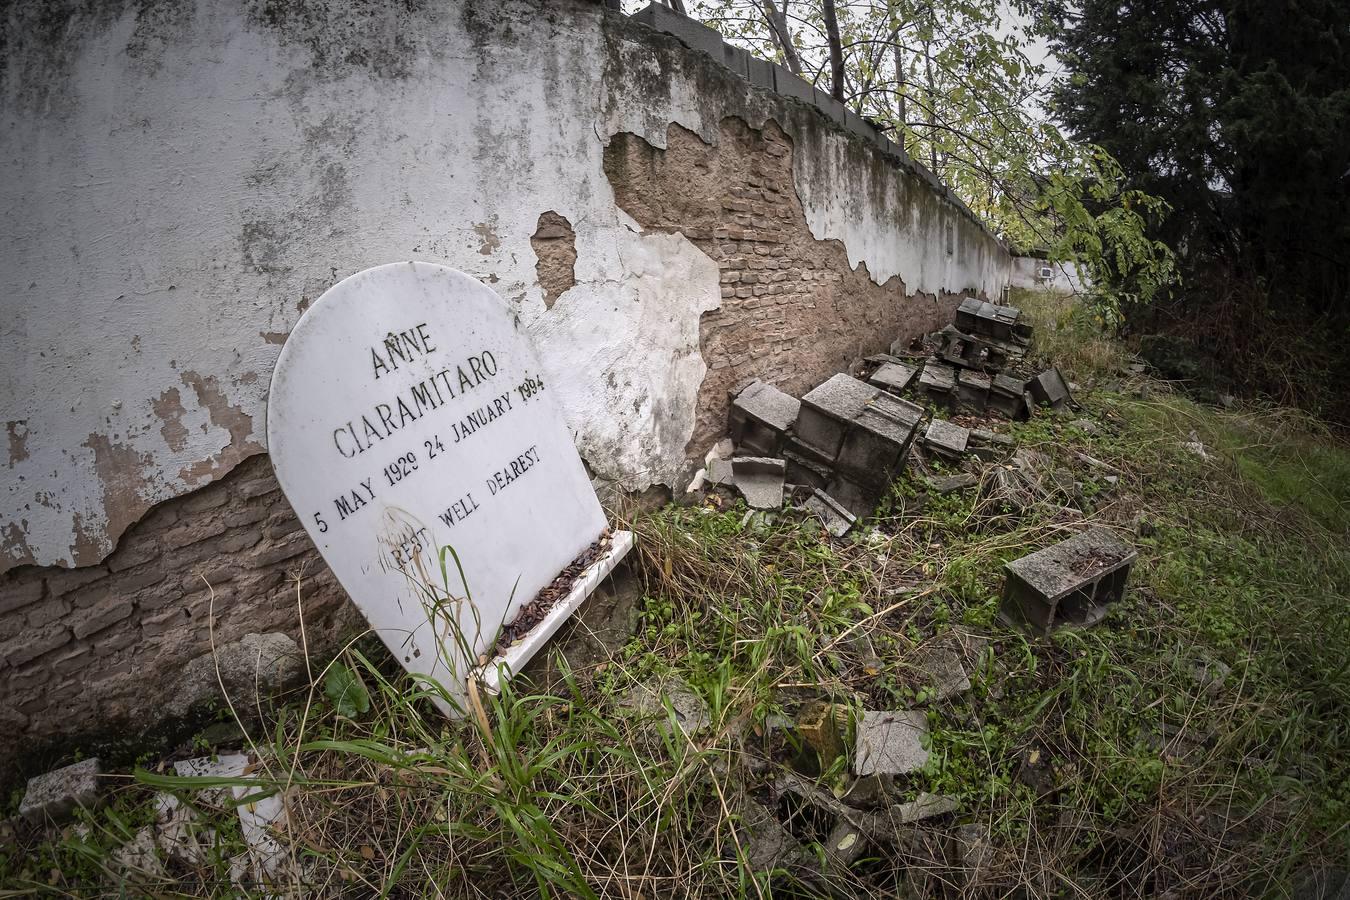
x: 1192, y: 745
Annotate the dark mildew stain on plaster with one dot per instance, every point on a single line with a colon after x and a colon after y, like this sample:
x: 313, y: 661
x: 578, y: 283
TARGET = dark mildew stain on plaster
x: 17, y: 432
x: 555, y: 250
x: 385, y: 39
x: 223, y: 414
x: 169, y: 408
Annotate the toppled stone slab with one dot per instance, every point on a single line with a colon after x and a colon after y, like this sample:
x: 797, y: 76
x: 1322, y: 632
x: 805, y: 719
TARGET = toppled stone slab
x: 1070, y: 583
x: 804, y: 469
x: 1050, y: 389
x: 760, y: 480
x: 859, y: 499
x: 828, y: 410
x: 55, y: 795
x: 836, y: 519
x: 895, y: 377
x: 985, y: 318
x: 988, y: 445
x: 890, y: 743
x: 946, y: 438
x: 719, y: 472
x: 880, y: 359
x: 761, y: 415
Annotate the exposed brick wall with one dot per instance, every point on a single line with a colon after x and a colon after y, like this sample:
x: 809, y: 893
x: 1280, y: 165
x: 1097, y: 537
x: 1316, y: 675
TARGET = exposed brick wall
x: 793, y: 311
x: 97, y: 649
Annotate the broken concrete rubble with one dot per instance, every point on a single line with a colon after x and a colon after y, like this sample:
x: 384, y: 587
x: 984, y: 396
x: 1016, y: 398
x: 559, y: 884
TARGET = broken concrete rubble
x: 895, y: 377
x: 836, y: 519
x: 946, y: 439
x: 760, y: 480
x: 1070, y: 583
x: 55, y: 795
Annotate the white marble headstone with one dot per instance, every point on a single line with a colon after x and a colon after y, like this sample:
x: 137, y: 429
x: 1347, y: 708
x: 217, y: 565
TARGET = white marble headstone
x: 409, y: 413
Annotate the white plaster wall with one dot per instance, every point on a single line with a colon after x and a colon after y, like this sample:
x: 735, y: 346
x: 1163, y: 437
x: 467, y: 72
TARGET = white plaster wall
x: 1065, y: 277
x: 171, y: 199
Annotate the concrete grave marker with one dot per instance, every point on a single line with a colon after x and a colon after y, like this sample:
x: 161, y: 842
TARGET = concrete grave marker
x: 408, y: 413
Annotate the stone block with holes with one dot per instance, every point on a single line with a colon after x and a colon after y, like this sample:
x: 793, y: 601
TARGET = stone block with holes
x: 828, y: 411
x: 1071, y: 583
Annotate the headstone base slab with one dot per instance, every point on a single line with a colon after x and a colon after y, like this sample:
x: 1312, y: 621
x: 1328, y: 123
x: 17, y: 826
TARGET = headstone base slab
x: 522, y: 651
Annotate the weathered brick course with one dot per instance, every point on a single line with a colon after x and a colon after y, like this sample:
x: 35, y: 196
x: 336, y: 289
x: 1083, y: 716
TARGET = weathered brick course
x: 83, y: 650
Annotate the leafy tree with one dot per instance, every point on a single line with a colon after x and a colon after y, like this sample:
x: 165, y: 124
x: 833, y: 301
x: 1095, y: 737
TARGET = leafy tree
x: 951, y: 81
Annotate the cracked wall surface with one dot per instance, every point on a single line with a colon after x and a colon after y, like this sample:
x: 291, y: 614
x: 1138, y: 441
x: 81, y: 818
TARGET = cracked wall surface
x: 179, y: 181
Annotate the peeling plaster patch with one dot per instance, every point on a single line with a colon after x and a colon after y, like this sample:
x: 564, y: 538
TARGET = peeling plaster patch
x: 225, y: 415
x: 18, y: 441
x: 169, y: 408
x: 274, y: 337
x: 122, y: 473
x: 555, y: 248
x: 488, y: 232
x: 14, y: 543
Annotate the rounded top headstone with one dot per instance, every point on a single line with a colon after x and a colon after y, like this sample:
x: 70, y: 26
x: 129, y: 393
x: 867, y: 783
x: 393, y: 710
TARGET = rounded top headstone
x: 411, y: 427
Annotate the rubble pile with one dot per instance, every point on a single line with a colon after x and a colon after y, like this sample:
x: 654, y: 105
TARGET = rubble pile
x: 836, y: 451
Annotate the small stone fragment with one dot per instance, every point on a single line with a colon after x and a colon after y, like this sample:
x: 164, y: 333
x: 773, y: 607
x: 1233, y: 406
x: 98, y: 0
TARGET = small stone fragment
x: 823, y: 727
x: 890, y: 743
x: 765, y: 842
x: 54, y: 796
x: 925, y: 806
x: 719, y: 472
x: 760, y: 479
x: 138, y: 859
x: 950, y: 484
x: 972, y: 852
